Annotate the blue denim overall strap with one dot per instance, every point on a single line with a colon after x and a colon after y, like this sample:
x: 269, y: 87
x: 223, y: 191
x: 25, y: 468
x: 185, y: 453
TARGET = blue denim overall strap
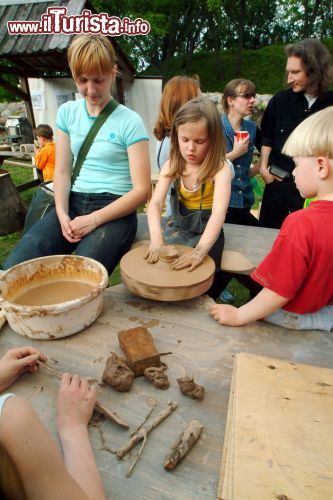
x: 191, y: 220
x: 186, y: 226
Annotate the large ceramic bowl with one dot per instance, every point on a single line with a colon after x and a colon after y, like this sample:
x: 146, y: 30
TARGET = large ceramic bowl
x: 53, y: 297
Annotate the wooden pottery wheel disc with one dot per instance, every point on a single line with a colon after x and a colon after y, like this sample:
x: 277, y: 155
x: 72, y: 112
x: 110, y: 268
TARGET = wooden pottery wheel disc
x: 159, y: 282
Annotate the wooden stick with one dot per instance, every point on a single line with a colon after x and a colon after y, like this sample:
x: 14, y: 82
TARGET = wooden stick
x: 184, y: 443
x: 3, y: 318
x: 140, y: 434
x: 98, y: 406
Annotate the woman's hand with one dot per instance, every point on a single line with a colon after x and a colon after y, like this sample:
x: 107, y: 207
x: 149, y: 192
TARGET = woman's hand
x: 152, y: 254
x: 66, y: 229
x: 241, y: 147
x: 83, y: 225
x: 189, y: 259
x: 16, y: 362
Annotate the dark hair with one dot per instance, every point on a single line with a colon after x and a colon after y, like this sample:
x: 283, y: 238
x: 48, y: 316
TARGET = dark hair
x: 234, y: 87
x: 44, y: 130
x: 316, y: 61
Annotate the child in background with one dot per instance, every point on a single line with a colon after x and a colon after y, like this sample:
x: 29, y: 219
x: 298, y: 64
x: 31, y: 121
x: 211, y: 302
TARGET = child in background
x: 31, y: 467
x: 297, y: 275
x: 202, y: 184
x: 45, y: 152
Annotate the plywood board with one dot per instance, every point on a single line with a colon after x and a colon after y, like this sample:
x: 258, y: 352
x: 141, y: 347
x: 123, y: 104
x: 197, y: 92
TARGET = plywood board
x: 280, y: 438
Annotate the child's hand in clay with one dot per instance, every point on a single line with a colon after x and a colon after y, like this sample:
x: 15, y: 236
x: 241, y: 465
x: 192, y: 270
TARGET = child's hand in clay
x: 18, y: 361
x: 152, y: 254
x: 76, y: 401
x: 189, y: 259
x: 225, y: 314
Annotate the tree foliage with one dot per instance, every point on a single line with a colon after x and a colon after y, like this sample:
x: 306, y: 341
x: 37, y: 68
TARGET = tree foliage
x: 180, y: 28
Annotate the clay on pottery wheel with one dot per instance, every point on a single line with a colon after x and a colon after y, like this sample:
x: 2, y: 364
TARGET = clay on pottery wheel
x: 159, y: 282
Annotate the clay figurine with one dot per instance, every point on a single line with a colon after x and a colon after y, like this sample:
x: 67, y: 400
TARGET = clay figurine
x: 117, y: 373
x: 188, y: 387
x: 157, y: 376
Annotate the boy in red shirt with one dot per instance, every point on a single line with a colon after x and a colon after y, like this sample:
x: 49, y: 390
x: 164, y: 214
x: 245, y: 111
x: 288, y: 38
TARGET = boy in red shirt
x: 297, y: 274
x: 45, y: 152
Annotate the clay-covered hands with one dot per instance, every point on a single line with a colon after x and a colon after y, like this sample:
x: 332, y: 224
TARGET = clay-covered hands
x: 225, y: 314
x: 189, y: 259
x: 152, y: 254
x: 76, y: 401
x: 18, y: 361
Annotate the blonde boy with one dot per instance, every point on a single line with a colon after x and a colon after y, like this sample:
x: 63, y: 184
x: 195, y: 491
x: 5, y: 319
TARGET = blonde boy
x: 297, y: 275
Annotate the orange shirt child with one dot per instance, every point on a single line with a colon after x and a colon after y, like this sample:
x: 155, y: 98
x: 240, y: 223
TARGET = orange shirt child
x: 45, y: 152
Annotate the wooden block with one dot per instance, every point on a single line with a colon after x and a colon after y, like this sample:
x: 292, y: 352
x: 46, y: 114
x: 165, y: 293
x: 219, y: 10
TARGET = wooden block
x: 138, y: 346
x: 236, y: 262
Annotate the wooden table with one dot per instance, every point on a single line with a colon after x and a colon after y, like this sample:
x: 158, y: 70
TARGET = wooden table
x: 200, y: 347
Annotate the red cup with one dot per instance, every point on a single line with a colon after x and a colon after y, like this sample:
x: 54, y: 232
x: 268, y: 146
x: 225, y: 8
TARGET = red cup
x: 241, y: 134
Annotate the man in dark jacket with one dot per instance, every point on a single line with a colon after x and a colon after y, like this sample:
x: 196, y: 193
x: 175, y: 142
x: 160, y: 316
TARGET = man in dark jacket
x: 309, y: 73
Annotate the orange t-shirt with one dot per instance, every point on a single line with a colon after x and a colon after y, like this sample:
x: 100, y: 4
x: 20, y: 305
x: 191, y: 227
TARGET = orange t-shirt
x: 45, y: 160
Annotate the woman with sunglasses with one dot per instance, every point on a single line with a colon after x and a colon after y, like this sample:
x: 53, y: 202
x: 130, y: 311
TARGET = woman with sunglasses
x: 237, y: 102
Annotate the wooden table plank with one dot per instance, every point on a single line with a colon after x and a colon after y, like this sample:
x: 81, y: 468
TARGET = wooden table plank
x: 200, y: 347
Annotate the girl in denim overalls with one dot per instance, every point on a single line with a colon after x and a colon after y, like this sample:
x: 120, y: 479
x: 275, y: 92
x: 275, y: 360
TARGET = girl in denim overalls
x: 201, y: 181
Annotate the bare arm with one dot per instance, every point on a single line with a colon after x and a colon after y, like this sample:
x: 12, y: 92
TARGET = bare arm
x: 265, y: 152
x: 221, y: 200
x: 155, y: 209
x: 264, y: 304
x: 138, y: 156
x: 62, y: 182
x: 76, y: 402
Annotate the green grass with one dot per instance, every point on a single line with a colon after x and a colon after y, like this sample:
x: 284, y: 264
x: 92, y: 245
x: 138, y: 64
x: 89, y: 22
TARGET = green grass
x: 20, y: 175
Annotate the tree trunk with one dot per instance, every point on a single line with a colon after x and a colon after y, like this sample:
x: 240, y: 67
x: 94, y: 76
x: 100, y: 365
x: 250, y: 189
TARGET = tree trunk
x: 13, y: 210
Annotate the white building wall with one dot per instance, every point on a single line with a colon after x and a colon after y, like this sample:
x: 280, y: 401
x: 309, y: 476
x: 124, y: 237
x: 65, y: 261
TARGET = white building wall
x: 143, y: 96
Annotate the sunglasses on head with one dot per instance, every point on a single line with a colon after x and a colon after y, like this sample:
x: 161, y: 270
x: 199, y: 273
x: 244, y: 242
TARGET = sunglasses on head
x: 246, y: 95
